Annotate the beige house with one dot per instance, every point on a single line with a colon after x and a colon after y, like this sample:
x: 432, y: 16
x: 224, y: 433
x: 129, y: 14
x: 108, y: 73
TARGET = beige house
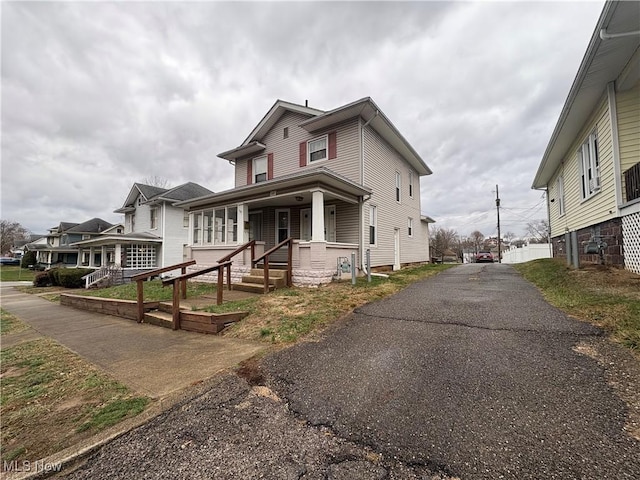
x: 338, y: 182
x: 591, y: 167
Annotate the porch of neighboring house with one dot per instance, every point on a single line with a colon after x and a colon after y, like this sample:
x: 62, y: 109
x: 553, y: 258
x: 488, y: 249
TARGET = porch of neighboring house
x: 323, y: 222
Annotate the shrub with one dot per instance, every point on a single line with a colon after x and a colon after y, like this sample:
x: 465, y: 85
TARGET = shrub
x: 72, y: 277
x: 53, y: 276
x: 28, y: 259
x: 41, y: 280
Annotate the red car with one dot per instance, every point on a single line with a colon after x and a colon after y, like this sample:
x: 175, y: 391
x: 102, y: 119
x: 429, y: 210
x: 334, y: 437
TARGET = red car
x: 484, y: 257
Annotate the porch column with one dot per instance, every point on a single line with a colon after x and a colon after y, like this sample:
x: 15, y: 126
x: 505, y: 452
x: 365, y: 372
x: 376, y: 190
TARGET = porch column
x: 91, y: 253
x: 118, y: 255
x: 317, y: 216
x: 103, y: 256
x: 243, y: 217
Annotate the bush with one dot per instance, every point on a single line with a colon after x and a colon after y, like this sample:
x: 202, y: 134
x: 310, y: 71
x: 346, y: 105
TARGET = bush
x: 41, y: 280
x: 72, y: 277
x: 54, y: 276
x: 29, y: 259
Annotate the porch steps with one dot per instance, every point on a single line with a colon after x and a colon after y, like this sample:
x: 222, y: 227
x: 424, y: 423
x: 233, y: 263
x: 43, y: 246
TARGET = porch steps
x: 202, y: 322
x: 159, y: 318
x: 254, y: 282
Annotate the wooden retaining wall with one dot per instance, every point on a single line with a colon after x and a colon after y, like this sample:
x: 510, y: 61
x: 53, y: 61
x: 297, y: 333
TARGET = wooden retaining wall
x: 108, y: 306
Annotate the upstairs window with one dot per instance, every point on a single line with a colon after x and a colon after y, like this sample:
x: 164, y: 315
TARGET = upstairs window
x: 398, y: 183
x: 560, y: 195
x: 259, y: 169
x: 153, y: 218
x: 373, y: 224
x: 589, y: 166
x: 86, y: 237
x: 411, y: 184
x: 317, y: 149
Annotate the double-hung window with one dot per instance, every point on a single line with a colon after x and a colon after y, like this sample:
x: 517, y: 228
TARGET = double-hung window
x: 398, y: 183
x: 411, y: 184
x: 207, y: 226
x: 373, y: 224
x: 589, y: 166
x: 196, y: 228
x: 410, y: 227
x: 260, y: 169
x: 317, y: 149
x: 153, y: 218
x: 560, y: 194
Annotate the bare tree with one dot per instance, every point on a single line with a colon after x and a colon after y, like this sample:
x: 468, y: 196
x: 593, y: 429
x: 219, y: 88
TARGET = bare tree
x: 10, y: 233
x: 156, y: 181
x: 509, y: 236
x: 538, y: 231
x: 477, y: 238
x: 443, y: 239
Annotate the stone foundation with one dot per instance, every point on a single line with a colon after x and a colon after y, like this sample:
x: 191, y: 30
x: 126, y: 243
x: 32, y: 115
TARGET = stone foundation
x: 312, y: 278
x: 237, y: 272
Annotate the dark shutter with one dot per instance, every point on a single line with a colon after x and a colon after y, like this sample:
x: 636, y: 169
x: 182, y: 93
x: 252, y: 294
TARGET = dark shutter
x: 333, y: 149
x: 249, y: 172
x: 270, y: 166
x: 303, y: 154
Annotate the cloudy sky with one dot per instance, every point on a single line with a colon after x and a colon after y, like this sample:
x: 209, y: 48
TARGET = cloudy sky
x: 96, y: 96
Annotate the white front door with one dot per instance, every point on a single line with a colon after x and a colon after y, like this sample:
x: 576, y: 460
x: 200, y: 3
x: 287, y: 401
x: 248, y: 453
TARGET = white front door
x: 330, y: 223
x: 305, y: 224
x: 396, y: 249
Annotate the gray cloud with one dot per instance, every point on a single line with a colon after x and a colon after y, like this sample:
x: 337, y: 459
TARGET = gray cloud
x: 96, y: 96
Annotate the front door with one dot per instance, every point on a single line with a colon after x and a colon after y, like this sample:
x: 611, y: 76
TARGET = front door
x: 330, y: 223
x: 282, y: 225
x: 255, y: 226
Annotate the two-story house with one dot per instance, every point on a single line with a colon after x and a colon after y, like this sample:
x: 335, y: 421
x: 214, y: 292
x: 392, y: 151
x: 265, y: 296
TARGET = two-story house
x: 57, y: 248
x: 591, y: 167
x: 154, y: 232
x: 336, y: 182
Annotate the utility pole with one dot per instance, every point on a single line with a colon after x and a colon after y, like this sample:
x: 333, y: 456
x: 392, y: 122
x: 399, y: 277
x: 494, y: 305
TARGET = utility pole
x: 498, y: 212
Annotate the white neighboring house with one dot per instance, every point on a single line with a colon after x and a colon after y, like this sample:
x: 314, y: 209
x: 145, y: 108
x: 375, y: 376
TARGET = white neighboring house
x: 154, y: 232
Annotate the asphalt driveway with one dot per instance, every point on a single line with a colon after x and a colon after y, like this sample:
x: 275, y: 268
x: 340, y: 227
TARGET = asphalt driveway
x: 469, y: 374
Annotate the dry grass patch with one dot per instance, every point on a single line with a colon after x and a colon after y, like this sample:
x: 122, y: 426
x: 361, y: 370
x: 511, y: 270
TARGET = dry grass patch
x: 10, y: 324
x: 52, y: 399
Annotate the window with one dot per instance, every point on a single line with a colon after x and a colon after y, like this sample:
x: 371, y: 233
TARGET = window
x: 153, y: 218
x: 317, y: 149
x: 373, y: 224
x: 410, y: 227
x: 64, y: 240
x: 196, y: 229
x: 397, y: 187
x: 411, y: 184
x: 141, y: 256
x: 282, y: 225
x: 259, y: 169
x: 285, y: 133
x: 560, y: 194
x: 232, y: 222
x: 185, y: 220
x: 132, y: 220
x: 589, y: 166
x: 219, y: 224
x: 207, y: 226
x: 86, y: 236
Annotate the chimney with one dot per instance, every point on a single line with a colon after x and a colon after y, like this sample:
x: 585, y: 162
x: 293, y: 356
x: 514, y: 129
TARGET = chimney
x: 306, y: 103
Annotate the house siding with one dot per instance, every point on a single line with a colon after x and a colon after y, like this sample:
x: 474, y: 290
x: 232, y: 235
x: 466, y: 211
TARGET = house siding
x: 601, y: 206
x: 286, y: 150
x: 628, y: 109
x: 381, y: 164
x: 175, y: 236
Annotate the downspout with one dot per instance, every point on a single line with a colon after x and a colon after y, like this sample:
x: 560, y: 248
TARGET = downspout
x: 613, y: 120
x: 362, y: 226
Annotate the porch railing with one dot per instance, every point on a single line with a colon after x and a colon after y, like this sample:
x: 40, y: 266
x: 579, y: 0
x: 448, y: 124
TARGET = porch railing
x: 265, y: 257
x: 109, y: 271
x: 175, y: 308
x: 632, y: 182
x: 141, y: 277
x: 226, y: 258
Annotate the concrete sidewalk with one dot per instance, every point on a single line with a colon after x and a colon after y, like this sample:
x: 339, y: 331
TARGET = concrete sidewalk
x: 152, y: 360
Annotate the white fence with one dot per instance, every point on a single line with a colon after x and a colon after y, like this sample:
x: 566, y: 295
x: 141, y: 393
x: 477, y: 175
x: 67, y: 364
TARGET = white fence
x: 526, y: 253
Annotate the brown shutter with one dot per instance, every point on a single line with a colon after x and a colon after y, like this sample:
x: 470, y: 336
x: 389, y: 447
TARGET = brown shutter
x: 270, y: 166
x: 333, y: 149
x: 249, y: 172
x: 303, y: 154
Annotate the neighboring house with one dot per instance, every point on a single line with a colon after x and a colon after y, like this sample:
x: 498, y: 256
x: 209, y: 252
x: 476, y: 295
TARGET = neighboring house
x: 57, y: 249
x: 336, y: 182
x: 154, y: 233
x: 591, y: 167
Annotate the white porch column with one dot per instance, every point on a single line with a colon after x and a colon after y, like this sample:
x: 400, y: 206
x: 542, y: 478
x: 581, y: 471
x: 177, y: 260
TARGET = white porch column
x: 103, y: 256
x: 118, y: 255
x: 243, y: 217
x: 91, y: 259
x: 317, y: 216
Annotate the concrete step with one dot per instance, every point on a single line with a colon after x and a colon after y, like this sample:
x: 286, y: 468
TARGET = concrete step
x: 161, y: 319
x: 278, y: 282
x: 251, y: 287
x: 273, y: 272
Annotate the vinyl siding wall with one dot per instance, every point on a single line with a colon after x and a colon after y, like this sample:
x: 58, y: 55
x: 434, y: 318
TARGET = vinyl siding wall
x: 286, y: 150
x: 582, y: 213
x: 175, y: 235
x: 381, y: 164
x: 628, y: 108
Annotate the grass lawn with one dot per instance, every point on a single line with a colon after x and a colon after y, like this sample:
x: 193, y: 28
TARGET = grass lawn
x: 605, y: 296
x: 15, y: 273
x: 9, y: 323
x: 51, y: 399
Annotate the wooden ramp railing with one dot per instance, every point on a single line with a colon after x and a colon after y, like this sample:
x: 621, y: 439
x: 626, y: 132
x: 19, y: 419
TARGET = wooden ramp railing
x: 141, y: 277
x: 265, y: 257
x: 176, y: 281
x: 226, y: 258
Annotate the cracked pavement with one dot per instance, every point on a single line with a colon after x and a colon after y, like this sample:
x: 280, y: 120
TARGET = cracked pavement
x: 469, y: 374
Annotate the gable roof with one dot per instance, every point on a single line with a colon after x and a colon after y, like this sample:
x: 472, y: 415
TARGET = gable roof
x: 319, y: 119
x: 62, y: 227
x: 95, y: 225
x: 151, y: 194
x: 606, y: 57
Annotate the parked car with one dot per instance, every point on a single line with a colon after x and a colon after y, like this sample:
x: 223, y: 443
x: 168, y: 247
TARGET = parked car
x: 484, y: 257
x: 9, y: 261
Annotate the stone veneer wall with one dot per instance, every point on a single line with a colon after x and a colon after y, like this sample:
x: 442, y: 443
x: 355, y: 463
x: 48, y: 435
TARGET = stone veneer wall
x: 610, y: 232
x: 237, y: 272
x: 312, y: 278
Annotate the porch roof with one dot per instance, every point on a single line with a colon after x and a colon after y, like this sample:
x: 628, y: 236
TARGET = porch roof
x: 314, y: 178
x: 119, y: 238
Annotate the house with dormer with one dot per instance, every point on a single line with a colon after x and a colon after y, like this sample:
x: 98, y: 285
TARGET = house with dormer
x: 334, y: 182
